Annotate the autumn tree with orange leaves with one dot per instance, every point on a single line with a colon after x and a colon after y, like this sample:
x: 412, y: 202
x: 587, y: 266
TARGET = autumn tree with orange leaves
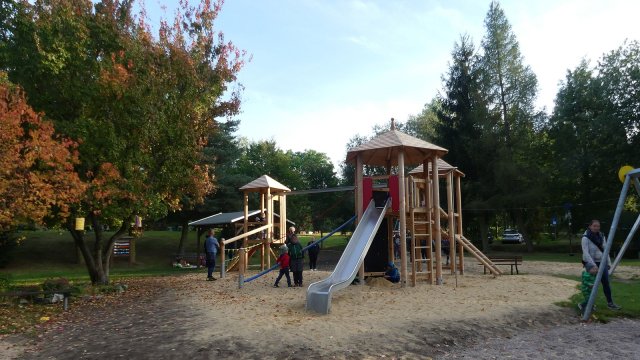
x: 140, y: 105
x: 37, y: 177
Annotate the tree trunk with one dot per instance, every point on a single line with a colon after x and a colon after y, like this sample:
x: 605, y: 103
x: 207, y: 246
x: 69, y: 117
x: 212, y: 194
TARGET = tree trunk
x: 98, y: 251
x: 184, y: 234
x: 106, y: 261
x: 97, y: 261
x: 522, y: 228
x: 78, y: 238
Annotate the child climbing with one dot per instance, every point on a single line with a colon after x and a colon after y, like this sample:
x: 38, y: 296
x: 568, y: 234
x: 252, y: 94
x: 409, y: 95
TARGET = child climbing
x: 283, y: 260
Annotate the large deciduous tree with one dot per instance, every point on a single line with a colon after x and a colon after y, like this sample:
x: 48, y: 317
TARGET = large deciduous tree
x: 141, y: 106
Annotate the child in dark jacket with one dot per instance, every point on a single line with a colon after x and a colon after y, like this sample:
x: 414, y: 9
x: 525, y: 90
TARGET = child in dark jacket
x: 283, y: 260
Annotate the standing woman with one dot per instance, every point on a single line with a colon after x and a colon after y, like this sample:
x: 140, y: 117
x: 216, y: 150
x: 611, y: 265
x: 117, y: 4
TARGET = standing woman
x: 296, y: 261
x: 593, y: 243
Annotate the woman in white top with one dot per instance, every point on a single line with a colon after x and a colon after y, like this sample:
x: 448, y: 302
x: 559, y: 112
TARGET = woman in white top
x: 593, y: 243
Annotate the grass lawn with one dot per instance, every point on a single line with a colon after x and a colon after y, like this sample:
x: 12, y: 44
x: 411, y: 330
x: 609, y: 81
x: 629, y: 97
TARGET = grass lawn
x: 51, y: 254
x: 625, y: 293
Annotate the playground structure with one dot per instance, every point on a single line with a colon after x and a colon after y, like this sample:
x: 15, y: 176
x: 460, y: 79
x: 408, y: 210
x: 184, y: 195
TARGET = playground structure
x: 413, y: 200
x: 254, y: 236
x: 627, y: 175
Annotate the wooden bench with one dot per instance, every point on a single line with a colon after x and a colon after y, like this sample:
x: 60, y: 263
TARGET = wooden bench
x: 191, y: 258
x: 21, y: 294
x: 513, y: 261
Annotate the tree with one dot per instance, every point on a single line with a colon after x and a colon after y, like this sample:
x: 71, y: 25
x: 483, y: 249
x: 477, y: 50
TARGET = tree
x: 141, y: 108
x: 592, y: 129
x: 37, y: 181
x: 221, y: 154
x: 510, y: 86
x: 510, y: 89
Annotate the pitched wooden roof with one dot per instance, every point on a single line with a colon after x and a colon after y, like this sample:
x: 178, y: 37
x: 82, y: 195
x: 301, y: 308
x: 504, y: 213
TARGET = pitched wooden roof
x: 384, y: 148
x: 264, y: 182
x: 443, y: 167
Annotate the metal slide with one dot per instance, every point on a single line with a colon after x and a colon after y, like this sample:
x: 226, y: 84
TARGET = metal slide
x: 319, y: 293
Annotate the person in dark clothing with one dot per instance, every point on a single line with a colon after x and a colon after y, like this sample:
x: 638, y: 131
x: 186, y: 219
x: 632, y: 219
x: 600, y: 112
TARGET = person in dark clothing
x: 314, y: 250
x: 392, y: 274
x: 446, y: 247
x: 283, y: 260
x: 296, y: 263
x: 211, y: 246
x: 291, y: 232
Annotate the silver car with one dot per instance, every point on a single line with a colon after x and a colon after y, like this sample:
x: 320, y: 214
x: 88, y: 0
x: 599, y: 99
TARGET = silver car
x: 511, y: 236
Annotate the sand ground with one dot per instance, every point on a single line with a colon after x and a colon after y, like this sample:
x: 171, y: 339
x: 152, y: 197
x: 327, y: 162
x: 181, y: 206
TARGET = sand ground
x: 480, y: 318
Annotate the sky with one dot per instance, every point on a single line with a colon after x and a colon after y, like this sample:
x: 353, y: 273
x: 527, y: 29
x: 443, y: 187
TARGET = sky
x: 322, y: 71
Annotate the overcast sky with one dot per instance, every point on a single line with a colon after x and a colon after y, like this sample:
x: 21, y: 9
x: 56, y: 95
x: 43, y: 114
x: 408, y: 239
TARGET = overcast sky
x: 325, y: 70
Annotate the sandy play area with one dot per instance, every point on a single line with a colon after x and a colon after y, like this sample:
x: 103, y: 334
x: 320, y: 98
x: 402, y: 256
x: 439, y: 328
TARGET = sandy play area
x: 187, y: 317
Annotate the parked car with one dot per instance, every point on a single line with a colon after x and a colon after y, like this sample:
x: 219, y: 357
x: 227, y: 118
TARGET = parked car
x: 511, y: 236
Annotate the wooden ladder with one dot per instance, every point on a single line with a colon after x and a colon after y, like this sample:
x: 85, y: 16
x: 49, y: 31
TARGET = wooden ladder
x: 484, y: 260
x: 420, y: 243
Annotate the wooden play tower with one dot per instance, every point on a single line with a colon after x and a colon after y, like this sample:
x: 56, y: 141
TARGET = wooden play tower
x: 416, y: 204
x: 269, y: 191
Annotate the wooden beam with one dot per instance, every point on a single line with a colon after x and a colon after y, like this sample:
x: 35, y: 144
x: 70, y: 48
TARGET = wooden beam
x: 246, y: 235
x: 246, y: 216
x: 436, y: 219
x: 451, y: 224
x: 403, y: 220
x: 359, y: 206
x: 459, y: 223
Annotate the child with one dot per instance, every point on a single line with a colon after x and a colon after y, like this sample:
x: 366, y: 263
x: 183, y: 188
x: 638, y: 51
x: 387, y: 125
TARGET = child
x: 588, y: 279
x: 392, y: 274
x: 283, y: 260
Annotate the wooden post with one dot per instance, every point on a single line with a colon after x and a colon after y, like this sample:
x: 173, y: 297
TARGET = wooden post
x: 261, y: 203
x: 403, y: 220
x: 242, y: 258
x: 359, y: 205
x: 223, y: 256
x: 459, y: 223
x: 451, y: 223
x: 245, y: 242
x: 436, y: 218
x: 267, y: 240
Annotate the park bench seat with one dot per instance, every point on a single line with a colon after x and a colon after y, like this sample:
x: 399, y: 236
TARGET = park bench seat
x: 508, y: 260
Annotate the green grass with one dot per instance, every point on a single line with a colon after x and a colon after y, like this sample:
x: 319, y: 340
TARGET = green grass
x: 51, y: 254
x: 335, y: 242
x: 626, y: 293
